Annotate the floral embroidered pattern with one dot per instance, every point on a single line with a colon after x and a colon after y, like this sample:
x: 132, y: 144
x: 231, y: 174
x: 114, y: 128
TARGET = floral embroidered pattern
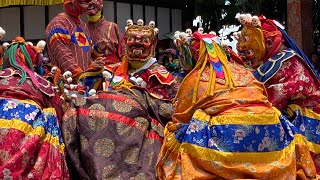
x: 31, y: 114
x: 34, y: 135
x: 10, y: 105
x: 196, y: 126
x: 237, y: 138
x: 308, y: 127
x: 293, y: 84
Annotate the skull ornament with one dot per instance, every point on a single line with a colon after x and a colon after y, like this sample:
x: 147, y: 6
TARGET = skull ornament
x: 200, y: 30
x: 54, y: 70
x: 189, y: 31
x: 2, y: 33
x: 183, y: 36
x: 248, y: 19
x: 176, y: 34
x: 152, y: 24
x: 140, y: 22
x: 243, y: 19
x: 129, y: 22
x: 156, y: 31
x: 5, y: 45
x: 255, y: 21
x: 67, y: 74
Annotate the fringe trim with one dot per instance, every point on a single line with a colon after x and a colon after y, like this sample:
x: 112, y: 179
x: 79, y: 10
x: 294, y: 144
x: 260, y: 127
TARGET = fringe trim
x: 4, y: 3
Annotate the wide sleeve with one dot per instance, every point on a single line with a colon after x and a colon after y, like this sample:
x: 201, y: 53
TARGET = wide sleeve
x: 161, y: 83
x: 58, y: 40
x: 293, y: 84
x: 117, y: 33
x: 71, y: 138
x: 56, y: 104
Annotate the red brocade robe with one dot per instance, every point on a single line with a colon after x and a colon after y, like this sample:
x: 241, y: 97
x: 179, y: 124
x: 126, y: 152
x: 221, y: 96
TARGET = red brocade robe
x: 294, y: 83
x: 295, y: 89
x: 118, y: 134
x: 31, y: 145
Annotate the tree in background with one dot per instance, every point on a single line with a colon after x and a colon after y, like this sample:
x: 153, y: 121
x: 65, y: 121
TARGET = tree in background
x: 316, y: 23
x: 216, y: 13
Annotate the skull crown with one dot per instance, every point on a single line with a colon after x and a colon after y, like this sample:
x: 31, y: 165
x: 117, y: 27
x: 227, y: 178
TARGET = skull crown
x: 140, y: 23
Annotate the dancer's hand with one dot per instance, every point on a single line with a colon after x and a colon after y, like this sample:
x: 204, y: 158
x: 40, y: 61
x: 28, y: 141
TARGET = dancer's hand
x: 102, y: 44
x: 99, y: 62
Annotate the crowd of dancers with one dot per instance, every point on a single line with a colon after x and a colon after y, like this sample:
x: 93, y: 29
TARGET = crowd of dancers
x: 103, y: 106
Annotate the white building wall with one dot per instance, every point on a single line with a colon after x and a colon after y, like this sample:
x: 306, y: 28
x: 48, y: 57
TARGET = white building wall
x: 54, y: 10
x: 34, y: 22
x: 108, y: 10
x: 33, y: 18
x: 137, y: 12
x: 123, y: 14
x: 10, y: 22
x: 150, y: 14
x: 163, y: 21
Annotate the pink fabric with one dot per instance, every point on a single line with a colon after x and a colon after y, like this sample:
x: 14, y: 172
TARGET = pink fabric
x: 9, y: 88
x: 294, y: 84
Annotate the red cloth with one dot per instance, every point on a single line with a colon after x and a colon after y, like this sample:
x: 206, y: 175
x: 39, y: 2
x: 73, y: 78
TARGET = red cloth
x: 103, y: 29
x: 9, y: 88
x: 29, y: 154
x: 160, y: 82
x: 294, y: 84
x: 30, y: 157
x: 199, y: 36
x: 272, y: 36
x: 63, y: 53
x: 195, y: 45
x: 112, y: 59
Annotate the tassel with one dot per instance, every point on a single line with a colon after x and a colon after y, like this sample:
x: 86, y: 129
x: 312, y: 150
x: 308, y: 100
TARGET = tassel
x: 212, y: 82
x: 56, y: 77
x: 203, y: 57
x: 4, y: 3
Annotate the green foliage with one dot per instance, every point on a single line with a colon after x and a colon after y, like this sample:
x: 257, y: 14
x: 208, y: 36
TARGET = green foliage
x: 249, y: 5
x: 316, y: 23
x: 215, y: 13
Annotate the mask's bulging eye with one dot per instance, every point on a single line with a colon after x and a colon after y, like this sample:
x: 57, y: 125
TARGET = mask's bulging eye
x: 268, y: 43
x: 249, y: 54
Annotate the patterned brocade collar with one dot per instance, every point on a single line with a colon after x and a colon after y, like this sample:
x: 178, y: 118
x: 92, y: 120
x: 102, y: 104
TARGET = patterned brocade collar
x: 45, y: 86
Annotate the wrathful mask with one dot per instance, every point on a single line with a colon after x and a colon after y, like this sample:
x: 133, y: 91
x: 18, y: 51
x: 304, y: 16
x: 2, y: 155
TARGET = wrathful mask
x: 140, y: 43
x: 251, y: 46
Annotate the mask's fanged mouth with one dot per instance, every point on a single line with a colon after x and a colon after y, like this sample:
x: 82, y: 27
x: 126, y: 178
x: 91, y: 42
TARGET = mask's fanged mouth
x: 137, y: 51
